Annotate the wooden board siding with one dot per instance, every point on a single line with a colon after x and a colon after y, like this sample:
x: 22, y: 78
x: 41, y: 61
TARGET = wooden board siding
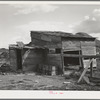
x: 88, y: 47
x: 48, y: 41
x: 98, y: 64
x: 31, y: 62
x: 45, y: 37
x: 54, y: 60
x: 89, y: 50
x: 46, y: 44
x: 53, y: 45
x: 98, y: 60
x: 13, y: 59
x: 71, y: 45
x: 38, y: 42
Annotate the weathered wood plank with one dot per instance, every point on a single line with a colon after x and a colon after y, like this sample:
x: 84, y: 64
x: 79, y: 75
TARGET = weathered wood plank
x: 13, y: 59
x: 25, y: 55
x: 46, y: 38
x: 89, y: 50
x: 29, y: 67
x: 53, y: 59
x: 70, y: 44
x: 82, y: 56
x: 91, y: 69
x: 85, y: 70
x: 88, y: 43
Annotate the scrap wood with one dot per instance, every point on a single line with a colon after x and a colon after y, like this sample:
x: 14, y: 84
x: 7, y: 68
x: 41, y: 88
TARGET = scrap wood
x: 85, y: 70
x: 20, y: 44
x: 25, y: 55
x: 86, y: 79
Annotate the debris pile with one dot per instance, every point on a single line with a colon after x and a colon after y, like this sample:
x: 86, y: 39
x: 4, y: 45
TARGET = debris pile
x: 5, y: 68
x: 4, y: 61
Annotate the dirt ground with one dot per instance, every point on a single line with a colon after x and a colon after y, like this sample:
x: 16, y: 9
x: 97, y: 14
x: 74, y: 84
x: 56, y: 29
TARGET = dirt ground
x: 30, y: 81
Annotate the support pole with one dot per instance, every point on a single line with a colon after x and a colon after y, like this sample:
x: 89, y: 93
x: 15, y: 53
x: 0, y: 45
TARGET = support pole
x: 62, y: 61
x: 91, y: 69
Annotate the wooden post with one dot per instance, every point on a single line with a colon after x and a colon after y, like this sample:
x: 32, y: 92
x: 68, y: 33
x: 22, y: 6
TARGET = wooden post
x: 91, y: 69
x: 81, y: 59
x: 85, y: 70
x: 62, y: 60
x: 22, y: 58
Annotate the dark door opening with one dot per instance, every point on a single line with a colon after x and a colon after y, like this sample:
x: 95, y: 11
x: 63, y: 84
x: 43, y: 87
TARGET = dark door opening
x: 71, y: 61
x: 19, y: 59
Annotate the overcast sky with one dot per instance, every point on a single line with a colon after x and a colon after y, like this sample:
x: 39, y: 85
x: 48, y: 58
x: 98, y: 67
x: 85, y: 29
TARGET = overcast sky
x: 17, y: 20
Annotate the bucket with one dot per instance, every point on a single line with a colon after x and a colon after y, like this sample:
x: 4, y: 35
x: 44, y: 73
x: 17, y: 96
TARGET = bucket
x: 53, y: 70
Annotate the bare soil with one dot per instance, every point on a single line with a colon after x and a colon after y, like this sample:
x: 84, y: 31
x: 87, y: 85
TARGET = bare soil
x: 31, y: 81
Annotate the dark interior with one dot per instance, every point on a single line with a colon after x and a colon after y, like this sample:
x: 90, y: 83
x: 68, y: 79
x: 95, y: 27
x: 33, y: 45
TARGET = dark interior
x: 71, y: 60
x: 19, y: 59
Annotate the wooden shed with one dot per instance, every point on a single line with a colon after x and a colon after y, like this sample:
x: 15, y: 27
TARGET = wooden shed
x: 59, y: 49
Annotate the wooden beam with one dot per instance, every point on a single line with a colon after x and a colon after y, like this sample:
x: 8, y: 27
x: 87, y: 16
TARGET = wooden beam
x: 91, y: 69
x: 80, y: 60
x: 85, y: 70
x: 82, y: 56
x: 25, y: 56
x: 62, y: 60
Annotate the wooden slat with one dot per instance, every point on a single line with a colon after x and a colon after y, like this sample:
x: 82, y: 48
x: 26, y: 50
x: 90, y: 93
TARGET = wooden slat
x: 87, y: 43
x: 13, y: 59
x: 25, y: 55
x: 85, y: 70
x: 91, y: 69
x: 88, y: 50
x: 82, y: 56
x: 70, y: 44
x: 72, y: 49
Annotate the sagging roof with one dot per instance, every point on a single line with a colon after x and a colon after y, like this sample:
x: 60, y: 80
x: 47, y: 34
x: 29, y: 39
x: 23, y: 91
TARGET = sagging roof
x: 64, y: 34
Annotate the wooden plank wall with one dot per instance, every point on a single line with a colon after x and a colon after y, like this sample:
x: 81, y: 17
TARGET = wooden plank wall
x: 98, y: 60
x: 71, y: 45
x: 88, y: 47
x: 45, y: 40
x: 54, y: 60
x: 13, y: 59
x: 34, y: 58
x: 46, y: 43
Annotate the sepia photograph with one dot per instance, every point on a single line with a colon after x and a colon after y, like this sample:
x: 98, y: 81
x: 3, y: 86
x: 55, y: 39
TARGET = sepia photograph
x: 50, y: 46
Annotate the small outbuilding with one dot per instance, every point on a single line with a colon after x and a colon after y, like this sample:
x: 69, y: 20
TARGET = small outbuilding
x: 55, y: 50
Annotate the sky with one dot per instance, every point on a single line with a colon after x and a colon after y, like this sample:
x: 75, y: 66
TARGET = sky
x: 17, y: 20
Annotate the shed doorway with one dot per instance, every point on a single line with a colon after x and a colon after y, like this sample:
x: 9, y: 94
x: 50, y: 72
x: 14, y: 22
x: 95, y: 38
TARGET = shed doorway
x: 19, y: 59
